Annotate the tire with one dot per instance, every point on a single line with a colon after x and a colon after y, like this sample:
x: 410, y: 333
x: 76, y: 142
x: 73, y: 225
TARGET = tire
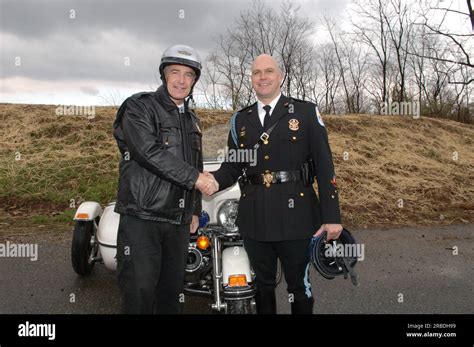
x: 84, y: 248
x: 245, y: 306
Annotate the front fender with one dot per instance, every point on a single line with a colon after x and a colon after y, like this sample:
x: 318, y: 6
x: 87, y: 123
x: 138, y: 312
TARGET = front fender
x: 88, y: 211
x: 107, y: 236
x: 235, y: 261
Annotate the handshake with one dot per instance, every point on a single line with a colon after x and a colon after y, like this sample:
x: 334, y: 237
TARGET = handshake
x: 206, y: 183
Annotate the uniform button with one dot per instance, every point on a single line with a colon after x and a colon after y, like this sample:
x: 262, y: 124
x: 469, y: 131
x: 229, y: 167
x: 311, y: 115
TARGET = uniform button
x: 335, y: 191
x: 294, y: 138
x: 166, y: 143
x: 241, y: 145
x: 301, y: 194
x: 267, y: 157
x: 243, y: 195
x: 332, y: 196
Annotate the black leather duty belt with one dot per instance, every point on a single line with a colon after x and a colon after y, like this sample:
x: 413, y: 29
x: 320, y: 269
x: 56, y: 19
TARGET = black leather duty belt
x: 270, y: 178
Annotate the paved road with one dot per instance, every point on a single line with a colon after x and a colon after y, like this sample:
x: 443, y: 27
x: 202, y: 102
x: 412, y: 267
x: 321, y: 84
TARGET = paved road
x: 417, y: 263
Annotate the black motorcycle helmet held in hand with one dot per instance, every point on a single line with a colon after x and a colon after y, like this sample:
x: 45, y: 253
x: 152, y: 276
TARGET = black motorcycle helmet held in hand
x: 328, y: 262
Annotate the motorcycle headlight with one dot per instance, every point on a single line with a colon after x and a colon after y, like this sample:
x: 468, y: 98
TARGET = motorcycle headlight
x: 227, y: 215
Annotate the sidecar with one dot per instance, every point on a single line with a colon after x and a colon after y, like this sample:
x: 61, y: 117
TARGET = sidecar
x: 95, y: 231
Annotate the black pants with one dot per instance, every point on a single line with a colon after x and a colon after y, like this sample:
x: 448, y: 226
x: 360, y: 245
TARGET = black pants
x: 151, y: 261
x: 294, y: 258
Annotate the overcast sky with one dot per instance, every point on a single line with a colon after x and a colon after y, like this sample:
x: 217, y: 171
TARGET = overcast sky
x: 49, y: 57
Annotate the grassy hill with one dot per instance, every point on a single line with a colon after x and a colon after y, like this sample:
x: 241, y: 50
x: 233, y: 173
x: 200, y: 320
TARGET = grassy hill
x: 391, y: 170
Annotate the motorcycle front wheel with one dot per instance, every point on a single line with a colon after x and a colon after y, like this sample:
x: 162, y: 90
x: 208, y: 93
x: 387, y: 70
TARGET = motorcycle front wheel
x: 244, y: 306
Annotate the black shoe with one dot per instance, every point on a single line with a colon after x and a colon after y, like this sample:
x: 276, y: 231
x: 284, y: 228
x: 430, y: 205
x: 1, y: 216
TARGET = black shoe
x: 266, y: 301
x: 304, y: 306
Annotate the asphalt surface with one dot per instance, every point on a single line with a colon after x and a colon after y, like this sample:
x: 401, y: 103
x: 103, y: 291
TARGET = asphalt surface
x: 409, y: 270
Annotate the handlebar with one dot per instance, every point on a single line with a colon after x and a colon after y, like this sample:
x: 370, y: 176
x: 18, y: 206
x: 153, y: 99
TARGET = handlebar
x: 216, y: 230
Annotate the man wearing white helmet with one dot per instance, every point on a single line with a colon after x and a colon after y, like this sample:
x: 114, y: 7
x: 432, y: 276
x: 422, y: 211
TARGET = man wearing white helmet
x: 160, y: 185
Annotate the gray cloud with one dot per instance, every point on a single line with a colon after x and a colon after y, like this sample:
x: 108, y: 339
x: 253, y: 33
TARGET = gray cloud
x: 106, y: 34
x: 89, y: 90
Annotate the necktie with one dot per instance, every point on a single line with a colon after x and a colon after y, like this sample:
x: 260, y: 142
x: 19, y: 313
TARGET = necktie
x: 266, y: 120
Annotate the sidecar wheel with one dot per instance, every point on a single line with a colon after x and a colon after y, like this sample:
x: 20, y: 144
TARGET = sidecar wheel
x: 84, y: 247
x: 246, y: 306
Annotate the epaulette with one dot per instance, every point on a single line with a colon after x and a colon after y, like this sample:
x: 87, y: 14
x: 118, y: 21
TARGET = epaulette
x: 247, y: 108
x: 291, y: 99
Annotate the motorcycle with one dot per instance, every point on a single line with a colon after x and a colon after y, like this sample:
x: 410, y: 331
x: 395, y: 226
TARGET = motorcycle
x: 217, y: 264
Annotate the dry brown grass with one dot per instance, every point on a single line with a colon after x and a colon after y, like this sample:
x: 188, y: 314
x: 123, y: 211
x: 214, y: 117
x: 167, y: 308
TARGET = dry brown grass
x: 393, y: 158
x: 389, y: 158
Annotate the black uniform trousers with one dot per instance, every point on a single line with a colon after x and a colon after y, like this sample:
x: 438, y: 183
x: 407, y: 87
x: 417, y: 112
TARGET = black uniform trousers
x: 294, y: 258
x: 151, y: 261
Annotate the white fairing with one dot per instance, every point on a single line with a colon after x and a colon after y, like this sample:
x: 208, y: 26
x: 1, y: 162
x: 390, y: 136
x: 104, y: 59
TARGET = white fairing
x: 109, y: 222
x: 90, y: 208
x: 235, y: 261
x: 211, y: 204
x: 107, y: 236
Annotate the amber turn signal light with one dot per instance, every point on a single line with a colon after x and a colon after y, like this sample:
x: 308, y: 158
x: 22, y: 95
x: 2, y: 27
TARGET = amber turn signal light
x: 202, y: 242
x: 82, y: 216
x: 237, y: 280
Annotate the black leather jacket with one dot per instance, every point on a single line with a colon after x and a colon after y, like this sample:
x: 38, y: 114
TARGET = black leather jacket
x: 160, y: 162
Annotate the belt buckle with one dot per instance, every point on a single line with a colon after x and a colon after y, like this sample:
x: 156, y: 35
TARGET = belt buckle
x: 267, y: 179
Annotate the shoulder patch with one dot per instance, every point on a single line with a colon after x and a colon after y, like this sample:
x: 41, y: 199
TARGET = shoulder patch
x: 233, y: 127
x: 318, y: 116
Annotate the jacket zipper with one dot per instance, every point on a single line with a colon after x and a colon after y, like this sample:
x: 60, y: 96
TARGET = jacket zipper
x: 184, y: 140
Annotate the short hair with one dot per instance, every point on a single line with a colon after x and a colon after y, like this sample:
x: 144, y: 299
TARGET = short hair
x: 167, y: 66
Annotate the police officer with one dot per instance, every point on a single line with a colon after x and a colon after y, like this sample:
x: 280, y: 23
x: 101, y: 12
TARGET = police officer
x: 279, y: 211
x: 160, y: 142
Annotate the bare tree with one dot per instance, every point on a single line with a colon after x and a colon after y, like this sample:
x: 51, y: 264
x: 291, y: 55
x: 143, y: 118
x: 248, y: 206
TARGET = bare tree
x: 418, y: 63
x: 384, y: 53
x: 357, y: 62
x: 112, y: 97
x: 292, y: 41
x: 232, y: 63
x: 263, y: 30
x: 399, y: 26
x: 368, y: 21
x: 336, y: 41
x: 462, y: 97
x: 211, y: 86
x: 305, y: 73
x: 330, y: 76
x: 471, y: 13
x: 460, y: 42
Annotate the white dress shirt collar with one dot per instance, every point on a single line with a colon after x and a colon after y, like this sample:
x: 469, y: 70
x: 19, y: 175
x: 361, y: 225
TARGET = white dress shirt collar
x: 261, y: 111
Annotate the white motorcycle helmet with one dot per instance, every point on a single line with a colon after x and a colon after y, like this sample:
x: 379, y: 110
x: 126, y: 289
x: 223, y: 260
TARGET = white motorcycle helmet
x: 181, y: 55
